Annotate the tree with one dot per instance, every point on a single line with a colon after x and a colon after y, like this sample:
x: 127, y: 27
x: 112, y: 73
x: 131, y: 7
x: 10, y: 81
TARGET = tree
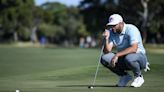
x: 146, y: 15
x: 51, y: 32
x: 155, y: 21
x: 68, y: 20
x: 15, y: 15
x: 95, y: 15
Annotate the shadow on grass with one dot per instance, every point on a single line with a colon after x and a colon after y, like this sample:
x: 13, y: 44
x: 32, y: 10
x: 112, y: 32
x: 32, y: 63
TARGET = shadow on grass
x: 87, y: 86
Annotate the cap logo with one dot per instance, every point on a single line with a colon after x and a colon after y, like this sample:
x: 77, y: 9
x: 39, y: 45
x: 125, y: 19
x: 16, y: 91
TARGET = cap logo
x: 110, y: 19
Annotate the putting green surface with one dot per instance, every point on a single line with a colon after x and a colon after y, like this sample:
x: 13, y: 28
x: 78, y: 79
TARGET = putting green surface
x: 68, y: 70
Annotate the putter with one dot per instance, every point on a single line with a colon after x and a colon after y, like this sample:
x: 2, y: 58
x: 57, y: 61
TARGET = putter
x: 98, y: 64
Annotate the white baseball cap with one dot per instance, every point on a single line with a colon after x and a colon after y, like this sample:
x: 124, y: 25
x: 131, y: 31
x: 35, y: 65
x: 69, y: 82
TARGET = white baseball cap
x: 114, y: 19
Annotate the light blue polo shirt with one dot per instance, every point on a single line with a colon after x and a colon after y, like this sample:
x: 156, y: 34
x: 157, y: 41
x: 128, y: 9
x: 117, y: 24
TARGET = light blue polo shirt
x: 129, y: 35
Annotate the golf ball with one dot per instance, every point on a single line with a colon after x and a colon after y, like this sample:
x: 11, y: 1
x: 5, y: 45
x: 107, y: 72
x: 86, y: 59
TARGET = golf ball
x: 91, y: 87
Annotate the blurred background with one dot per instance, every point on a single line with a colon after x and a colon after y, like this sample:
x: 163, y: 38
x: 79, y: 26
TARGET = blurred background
x: 41, y: 41
x: 75, y: 22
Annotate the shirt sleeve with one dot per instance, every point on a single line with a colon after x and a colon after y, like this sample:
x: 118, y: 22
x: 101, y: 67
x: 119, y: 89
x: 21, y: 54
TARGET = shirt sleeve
x: 134, y: 35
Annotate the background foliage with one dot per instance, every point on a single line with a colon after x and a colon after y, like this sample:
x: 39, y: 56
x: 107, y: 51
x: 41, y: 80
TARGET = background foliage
x: 22, y: 20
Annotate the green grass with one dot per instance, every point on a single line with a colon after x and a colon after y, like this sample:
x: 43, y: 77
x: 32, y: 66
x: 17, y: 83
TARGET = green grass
x: 68, y: 70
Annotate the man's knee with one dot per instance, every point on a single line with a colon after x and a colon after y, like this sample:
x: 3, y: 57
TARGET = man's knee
x: 131, y: 57
x: 106, y: 58
x: 103, y: 62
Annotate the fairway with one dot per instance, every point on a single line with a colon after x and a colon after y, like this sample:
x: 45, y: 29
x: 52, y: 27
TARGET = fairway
x: 68, y: 70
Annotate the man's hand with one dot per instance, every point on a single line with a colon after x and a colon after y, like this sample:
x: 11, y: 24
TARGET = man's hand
x: 106, y: 34
x: 114, y: 61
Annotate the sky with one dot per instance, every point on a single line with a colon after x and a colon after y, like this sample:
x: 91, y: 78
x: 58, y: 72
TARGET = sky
x: 66, y: 2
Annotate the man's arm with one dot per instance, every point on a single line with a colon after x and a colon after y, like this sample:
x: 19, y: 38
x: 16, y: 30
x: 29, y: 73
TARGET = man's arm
x: 107, y: 45
x: 134, y: 36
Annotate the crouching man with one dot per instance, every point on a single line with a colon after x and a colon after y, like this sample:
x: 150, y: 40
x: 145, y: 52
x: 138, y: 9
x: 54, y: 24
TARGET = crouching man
x: 130, y: 53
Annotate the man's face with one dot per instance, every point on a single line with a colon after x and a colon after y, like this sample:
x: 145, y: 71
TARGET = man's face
x: 115, y: 28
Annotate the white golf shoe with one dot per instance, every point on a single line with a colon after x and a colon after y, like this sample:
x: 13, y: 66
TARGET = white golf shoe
x: 123, y: 81
x: 138, y: 81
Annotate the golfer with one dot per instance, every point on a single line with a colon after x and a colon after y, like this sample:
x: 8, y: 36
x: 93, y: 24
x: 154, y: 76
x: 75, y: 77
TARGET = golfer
x: 130, y: 53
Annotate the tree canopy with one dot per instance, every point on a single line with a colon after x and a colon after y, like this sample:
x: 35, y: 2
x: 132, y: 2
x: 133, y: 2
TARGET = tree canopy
x: 21, y: 20
x: 96, y: 13
x: 15, y: 16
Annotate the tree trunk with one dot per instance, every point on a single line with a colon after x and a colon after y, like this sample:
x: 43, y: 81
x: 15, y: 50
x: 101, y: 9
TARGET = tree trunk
x: 144, y: 35
x: 15, y: 36
x: 34, y: 35
x: 144, y: 16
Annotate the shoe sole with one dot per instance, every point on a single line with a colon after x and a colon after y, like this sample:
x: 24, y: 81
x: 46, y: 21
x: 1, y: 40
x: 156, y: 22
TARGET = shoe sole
x: 138, y: 85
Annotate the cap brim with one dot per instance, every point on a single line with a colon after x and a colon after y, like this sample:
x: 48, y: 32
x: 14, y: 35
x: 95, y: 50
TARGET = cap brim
x: 110, y: 24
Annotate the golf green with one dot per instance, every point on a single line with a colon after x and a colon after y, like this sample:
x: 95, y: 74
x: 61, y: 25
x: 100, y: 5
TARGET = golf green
x: 68, y: 70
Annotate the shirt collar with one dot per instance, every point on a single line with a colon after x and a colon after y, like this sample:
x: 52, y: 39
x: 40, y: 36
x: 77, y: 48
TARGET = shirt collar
x: 124, y: 29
